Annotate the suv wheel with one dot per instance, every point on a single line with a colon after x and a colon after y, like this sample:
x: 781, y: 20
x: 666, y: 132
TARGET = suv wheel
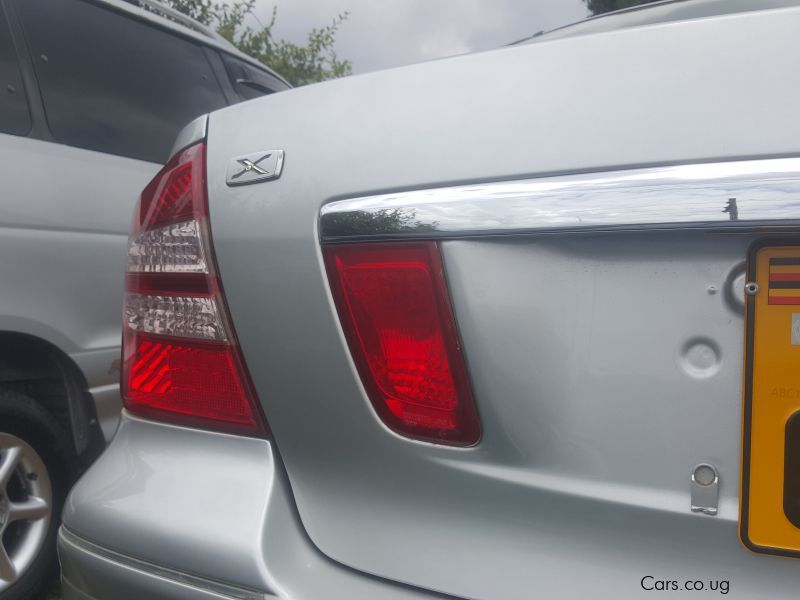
x: 36, y: 468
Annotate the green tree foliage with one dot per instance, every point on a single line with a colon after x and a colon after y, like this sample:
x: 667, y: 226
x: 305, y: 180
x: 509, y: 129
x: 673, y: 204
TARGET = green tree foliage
x: 598, y: 7
x: 300, y: 64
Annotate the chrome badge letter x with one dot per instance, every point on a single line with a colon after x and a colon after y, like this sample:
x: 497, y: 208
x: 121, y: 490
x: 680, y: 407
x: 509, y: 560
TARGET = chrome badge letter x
x: 255, y: 167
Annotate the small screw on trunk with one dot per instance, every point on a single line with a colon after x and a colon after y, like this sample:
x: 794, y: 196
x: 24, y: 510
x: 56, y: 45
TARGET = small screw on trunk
x: 751, y: 288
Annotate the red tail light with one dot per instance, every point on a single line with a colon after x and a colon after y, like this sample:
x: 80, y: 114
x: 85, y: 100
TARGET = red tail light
x: 181, y: 361
x: 395, y: 310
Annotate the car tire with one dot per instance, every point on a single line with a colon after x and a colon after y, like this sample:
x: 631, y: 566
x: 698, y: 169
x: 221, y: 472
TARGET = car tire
x: 37, y: 468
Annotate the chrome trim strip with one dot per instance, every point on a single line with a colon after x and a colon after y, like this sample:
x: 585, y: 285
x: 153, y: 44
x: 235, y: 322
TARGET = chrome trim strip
x: 223, y: 589
x: 194, y: 132
x: 715, y: 196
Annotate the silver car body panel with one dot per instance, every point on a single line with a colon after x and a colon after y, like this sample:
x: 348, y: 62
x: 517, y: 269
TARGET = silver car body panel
x: 605, y: 365
x: 246, y: 540
x: 191, y: 134
x: 112, y: 570
x: 65, y: 252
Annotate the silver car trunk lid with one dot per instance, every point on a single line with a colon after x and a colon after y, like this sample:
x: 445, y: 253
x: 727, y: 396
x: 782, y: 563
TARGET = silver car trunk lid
x: 605, y: 365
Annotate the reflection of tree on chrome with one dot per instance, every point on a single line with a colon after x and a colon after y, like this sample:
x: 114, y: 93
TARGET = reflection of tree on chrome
x: 385, y: 220
x: 732, y: 209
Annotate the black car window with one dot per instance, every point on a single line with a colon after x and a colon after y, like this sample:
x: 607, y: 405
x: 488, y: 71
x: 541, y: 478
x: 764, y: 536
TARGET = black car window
x: 249, y: 81
x: 15, y: 116
x: 112, y: 83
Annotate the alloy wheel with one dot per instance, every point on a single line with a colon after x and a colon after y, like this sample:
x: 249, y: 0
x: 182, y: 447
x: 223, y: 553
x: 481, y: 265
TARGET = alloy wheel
x: 26, y: 506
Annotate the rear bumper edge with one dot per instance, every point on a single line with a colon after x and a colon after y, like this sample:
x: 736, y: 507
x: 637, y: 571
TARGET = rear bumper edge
x: 90, y: 572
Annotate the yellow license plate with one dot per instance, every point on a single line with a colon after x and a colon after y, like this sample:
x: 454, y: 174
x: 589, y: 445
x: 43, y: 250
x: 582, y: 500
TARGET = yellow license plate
x: 770, y: 502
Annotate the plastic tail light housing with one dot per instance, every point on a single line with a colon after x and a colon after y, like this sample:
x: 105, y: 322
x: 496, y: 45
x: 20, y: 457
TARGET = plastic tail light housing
x: 395, y: 310
x: 181, y: 360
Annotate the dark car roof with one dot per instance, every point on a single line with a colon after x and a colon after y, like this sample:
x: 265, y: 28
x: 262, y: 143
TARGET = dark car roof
x: 658, y: 12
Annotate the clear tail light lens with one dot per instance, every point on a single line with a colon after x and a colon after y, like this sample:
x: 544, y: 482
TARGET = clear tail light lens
x: 396, y: 314
x: 174, y: 248
x: 181, y: 361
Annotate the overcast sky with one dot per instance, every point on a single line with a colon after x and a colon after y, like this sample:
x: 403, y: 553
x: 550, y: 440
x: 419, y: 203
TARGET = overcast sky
x: 387, y: 33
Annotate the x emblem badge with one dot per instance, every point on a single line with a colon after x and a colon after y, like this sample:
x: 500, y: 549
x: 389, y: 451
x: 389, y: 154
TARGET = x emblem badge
x: 250, y: 165
x: 255, y: 167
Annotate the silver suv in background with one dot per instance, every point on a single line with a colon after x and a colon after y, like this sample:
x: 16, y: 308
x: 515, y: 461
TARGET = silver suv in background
x: 486, y: 341
x: 92, y: 96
